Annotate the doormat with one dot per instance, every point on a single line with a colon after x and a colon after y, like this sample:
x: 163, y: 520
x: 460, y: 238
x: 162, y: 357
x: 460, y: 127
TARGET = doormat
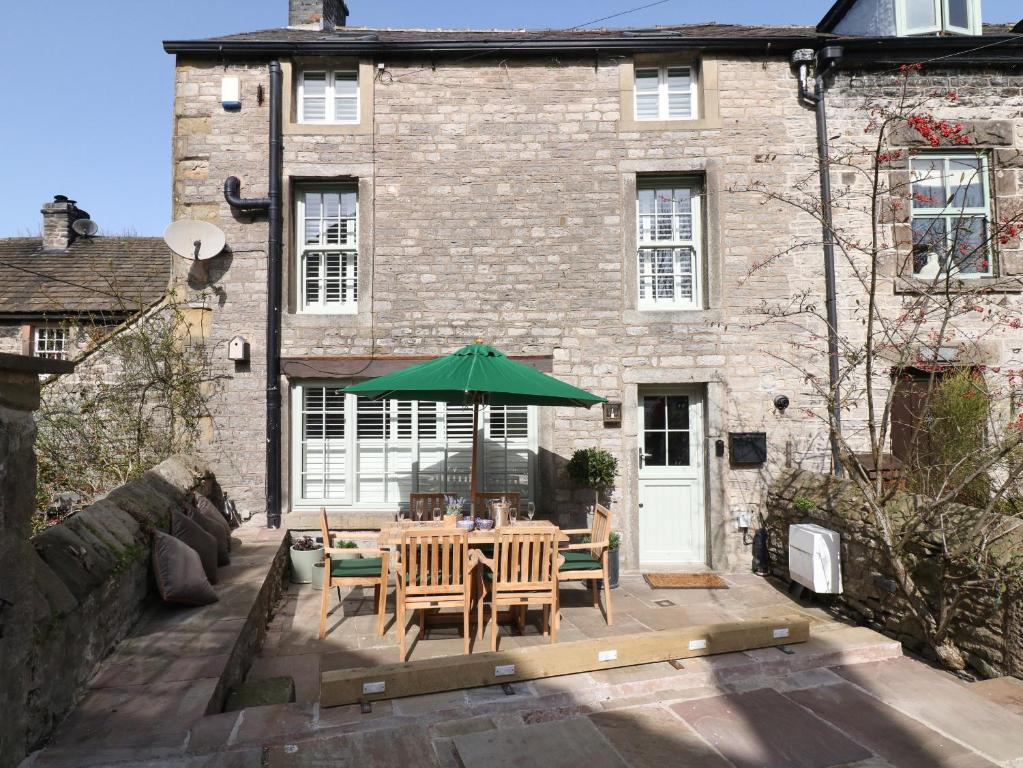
x: 684, y: 581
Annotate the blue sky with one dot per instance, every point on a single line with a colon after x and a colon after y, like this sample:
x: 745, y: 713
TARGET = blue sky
x: 88, y: 89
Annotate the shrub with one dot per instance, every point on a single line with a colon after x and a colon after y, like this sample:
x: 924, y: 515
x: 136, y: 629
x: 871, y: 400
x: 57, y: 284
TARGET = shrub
x: 593, y: 468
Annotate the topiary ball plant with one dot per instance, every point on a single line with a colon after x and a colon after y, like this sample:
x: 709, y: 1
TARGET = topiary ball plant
x: 593, y: 468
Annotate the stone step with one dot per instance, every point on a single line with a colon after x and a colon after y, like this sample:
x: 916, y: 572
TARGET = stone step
x: 943, y: 704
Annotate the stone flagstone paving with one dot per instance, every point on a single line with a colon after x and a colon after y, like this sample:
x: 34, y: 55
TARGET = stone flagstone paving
x: 847, y: 697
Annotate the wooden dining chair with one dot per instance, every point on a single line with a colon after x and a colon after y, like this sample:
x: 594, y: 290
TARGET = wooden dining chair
x: 430, y: 500
x: 513, y: 497
x: 588, y: 560
x: 523, y: 572
x: 368, y: 570
x: 434, y: 571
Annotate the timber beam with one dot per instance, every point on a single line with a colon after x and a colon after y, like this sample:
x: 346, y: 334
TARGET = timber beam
x: 415, y: 678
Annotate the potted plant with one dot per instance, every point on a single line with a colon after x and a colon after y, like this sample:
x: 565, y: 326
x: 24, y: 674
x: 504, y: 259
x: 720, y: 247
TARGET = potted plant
x: 594, y: 468
x: 305, y: 552
x: 344, y: 555
x: 613, y: 541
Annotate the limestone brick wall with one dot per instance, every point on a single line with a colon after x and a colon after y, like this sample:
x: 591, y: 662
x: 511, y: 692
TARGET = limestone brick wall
x: 498, y: 199
x: 10, y: 339
x: 987, y: 630
x: 987, y: 104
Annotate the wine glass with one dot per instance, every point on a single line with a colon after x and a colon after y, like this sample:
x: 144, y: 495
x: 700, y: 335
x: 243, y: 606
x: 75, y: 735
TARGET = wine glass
x: 530, y: 511
x: 436, y: 514
x: 419, y: 510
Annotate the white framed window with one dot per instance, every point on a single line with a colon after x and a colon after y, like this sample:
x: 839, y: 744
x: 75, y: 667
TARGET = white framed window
x: 669, y: 239
x: 329, y: 96
x: 349, y: 451
x: 51, y: 343
x: 665, y: 93
x: 328, y: 250
x: 950, y: 213
x: 928, y: 17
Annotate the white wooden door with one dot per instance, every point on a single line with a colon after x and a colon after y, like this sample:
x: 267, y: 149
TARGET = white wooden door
x: 672, y: 517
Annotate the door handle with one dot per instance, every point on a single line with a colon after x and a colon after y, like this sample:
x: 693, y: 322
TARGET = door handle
x: 643, y: 457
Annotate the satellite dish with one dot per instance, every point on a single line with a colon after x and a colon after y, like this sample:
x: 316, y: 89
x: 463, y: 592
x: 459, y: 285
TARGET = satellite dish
x: 85, y: 227
x: 195, y: 239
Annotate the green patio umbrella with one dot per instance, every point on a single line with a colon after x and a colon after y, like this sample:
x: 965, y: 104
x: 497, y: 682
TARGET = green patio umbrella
x: 477, y: 375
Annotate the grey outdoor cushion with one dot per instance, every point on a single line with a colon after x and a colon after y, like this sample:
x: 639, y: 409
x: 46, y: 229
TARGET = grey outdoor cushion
x: 179, y: 574
x: 195, y: 536
x: 211, y: 521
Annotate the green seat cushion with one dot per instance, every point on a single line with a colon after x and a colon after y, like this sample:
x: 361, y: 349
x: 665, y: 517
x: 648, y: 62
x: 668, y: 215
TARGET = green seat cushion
x: 355, y: 567
x: 580, y: 561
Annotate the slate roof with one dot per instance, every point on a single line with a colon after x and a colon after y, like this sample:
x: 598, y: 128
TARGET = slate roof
x: 114, y: 275
x: 396, y: 38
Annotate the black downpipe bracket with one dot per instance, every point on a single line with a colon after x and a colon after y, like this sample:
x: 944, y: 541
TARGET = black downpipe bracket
x: 272, y: 206
x: 826, y: 62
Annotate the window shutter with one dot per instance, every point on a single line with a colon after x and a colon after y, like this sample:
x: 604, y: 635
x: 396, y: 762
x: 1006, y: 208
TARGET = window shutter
x: 346, y: 97
x: 680, y: 100
x: 647, y: 94
x: 314, y: 97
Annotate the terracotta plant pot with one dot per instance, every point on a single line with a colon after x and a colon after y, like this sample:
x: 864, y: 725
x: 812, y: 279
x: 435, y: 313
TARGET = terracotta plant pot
x: 302, y: 561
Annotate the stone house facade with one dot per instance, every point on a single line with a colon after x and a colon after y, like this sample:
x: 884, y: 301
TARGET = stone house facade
x: 582, y: 200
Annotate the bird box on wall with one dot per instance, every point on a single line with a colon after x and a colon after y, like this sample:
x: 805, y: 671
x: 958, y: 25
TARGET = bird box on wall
x: 238, y: 349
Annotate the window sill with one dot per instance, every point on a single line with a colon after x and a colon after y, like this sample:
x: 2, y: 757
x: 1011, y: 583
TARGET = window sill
x: 328, y: 129
x: 629, y: 125
x: 647, y: 316
x: 915, y: 287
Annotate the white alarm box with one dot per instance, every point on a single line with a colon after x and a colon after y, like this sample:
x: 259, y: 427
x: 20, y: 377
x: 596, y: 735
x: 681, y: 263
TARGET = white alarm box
x: 815, y: 558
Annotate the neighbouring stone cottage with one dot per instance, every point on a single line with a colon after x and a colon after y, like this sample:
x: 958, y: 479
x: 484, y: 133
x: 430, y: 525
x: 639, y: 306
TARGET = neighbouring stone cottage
x: 575, y: 198
x: 63, y: 291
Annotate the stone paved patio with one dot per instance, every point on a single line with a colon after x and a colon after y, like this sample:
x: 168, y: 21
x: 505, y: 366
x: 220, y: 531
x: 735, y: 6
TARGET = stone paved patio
x: 847, y: 697
x: 292, y: 647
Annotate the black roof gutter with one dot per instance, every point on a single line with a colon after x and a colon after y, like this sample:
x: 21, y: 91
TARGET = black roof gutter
x: 883, y: 51
x: 236, y: 48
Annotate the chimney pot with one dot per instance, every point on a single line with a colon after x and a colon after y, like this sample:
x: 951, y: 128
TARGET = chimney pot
x: 328, y: 14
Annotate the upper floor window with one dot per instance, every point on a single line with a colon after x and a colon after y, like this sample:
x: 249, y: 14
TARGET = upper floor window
x: 328, y: 96
x: 922, y: 17
x: 669, y: 244
x: 665, y: 93
x: 950, y: 211
x: 51, y: 343
x: 328, y: 251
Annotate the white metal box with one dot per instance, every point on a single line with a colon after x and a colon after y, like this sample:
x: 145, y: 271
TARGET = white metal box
x: 815, y: 558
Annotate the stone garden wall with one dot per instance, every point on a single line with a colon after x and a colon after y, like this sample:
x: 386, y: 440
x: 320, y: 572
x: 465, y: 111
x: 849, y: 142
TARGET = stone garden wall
x: 989, y: 632
x: 91, y: 580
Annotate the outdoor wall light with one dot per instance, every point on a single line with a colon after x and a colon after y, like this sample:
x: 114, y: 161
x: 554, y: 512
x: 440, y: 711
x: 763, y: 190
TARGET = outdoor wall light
x: 612, y: 413
x: 781, y: 402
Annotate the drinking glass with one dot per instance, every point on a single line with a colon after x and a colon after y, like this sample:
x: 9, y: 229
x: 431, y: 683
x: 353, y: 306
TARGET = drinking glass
x: 436, y: 514
x: 513, y: 514
x: 530, y: 510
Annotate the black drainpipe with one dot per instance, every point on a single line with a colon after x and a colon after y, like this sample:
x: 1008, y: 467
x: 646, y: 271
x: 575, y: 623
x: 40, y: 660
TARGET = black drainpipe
x: 825, y: 60
x: 272, y: 206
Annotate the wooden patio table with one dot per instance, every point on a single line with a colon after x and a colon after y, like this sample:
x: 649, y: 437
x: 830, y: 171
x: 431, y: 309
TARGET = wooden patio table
x: 391, y: 536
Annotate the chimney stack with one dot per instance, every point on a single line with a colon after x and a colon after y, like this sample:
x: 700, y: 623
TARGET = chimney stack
x: 58, y: 217
x: 327, y: 14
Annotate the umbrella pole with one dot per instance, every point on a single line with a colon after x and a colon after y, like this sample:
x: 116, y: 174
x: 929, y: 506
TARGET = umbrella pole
x: 475, y: 440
